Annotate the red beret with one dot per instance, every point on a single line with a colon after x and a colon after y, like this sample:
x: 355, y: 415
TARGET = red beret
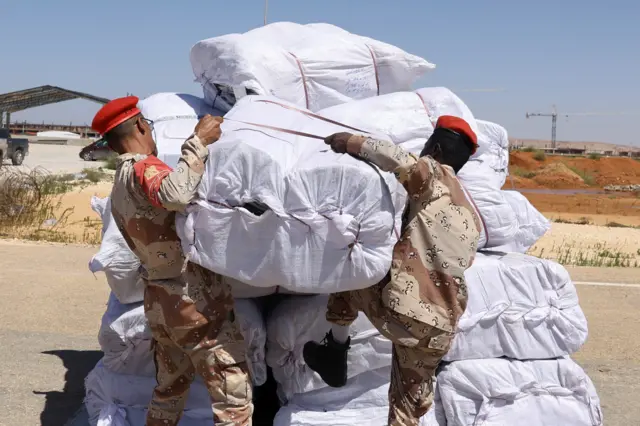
x: 115, y: 112
x: 459, y: 125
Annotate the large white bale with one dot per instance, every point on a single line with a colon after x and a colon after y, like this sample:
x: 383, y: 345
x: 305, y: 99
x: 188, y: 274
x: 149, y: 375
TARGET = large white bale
x: 499, y: 392
x: 175, y: 116
x: 313, y: 66
x: 115, y: 259
x: 125, y: 338
x: 509, y: 221
x: 364, y: 401
x: 281, y: 209
x: 299, y: 319
x: 120, y: 400
x: 520, y: 307
x: 406, y: 118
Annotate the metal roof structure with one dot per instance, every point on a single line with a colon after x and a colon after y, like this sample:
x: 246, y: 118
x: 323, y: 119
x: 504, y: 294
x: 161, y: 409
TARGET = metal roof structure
x: 43, y: 95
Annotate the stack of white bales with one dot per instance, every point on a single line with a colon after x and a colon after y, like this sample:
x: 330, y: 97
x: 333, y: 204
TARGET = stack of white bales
x: 120, y: 386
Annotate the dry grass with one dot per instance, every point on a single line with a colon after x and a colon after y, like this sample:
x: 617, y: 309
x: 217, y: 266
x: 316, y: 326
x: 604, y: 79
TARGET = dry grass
x: 31, y: 207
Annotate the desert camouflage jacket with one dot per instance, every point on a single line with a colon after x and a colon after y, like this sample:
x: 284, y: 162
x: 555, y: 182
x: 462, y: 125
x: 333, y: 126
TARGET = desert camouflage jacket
x: 146, y: 195
x: 439, y: 237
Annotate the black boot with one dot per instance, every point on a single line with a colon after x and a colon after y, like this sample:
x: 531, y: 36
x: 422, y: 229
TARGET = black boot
x: 328, y: 359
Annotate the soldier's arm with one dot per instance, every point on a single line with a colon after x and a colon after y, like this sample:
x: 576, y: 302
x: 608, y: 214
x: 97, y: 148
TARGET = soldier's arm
x: 415, y: 174
x: 173, y: 189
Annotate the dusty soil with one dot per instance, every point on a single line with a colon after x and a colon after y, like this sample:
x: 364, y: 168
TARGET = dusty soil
x: 598, y: 172
x: 576, y: 173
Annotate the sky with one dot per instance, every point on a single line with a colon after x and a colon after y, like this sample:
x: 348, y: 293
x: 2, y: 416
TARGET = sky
x: 583, y: 56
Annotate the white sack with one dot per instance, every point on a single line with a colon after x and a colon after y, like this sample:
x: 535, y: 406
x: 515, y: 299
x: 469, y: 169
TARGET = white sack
x: 115, y: 259
x: 508, y: 220
x: 520, y: 307
x: 532, y: 224
x: 364, y: 400
x: 174, y: 116
x: 299, y: 319
x: 125, y: 339
x: 406, y: 118
x: 110, y: 395
x: 498, y: 392
x: 493, y: 147
x: 313, y: 66
x: 331, y: 221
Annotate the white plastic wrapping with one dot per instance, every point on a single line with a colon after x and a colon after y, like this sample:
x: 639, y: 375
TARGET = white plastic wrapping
x: 174, y: 117
x: 125, y: 339
x: 313, y: 66
x: 115, y: 259
x: 406, y: 118
x: 299, y: 319
x: 364, y: 401
x: 509, y: 220
x: 116, y: 399
x: 499, y: 392
x: 493, y: 148
x: 520, y: 307
x: 331, y: 221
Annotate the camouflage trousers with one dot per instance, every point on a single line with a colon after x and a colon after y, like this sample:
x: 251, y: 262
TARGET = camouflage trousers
x: 194, y: 330
x: 418, y: 348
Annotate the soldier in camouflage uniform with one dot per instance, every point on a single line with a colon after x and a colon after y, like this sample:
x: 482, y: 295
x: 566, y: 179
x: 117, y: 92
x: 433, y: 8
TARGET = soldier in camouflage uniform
x: 189, y: 309
x: 418, y: 304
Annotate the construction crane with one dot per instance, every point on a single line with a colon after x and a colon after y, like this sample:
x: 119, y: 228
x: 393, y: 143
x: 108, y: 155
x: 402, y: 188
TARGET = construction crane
x: 554, y: 118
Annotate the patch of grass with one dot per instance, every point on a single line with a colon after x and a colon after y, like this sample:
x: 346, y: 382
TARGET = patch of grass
x: 110, y: 162
x: 619, y: 225
x: 94, y: 175
x: 587, y: 177
x: 594, y: 156
x: 539, y: 155
x: 599, y: 256
x: 518, y: 171
x: 30, y: 203
x: 528, y: 149
x: 581, y: 221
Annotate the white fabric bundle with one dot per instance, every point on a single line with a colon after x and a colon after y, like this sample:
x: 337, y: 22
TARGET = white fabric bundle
x: 520, y: 307
x: 115, y: 259
x: 330, y: 221
x: 299, y: 319
x: 363, y: 400
x: 112, y: 398
x: 313, y: 66
x: 493, y: 147
x: 174, y: 116
x: 406, y: 118
x: 532, y: 225
x: 498, y: 392
x: 509, y: 220
x: 125, y: 339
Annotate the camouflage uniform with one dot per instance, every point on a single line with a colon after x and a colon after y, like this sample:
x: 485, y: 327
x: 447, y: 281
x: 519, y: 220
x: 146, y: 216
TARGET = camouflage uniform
x: 189, y: 309
x: 417, y: 306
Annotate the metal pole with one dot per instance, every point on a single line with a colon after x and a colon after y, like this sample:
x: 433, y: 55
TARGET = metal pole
x: 266, y: 9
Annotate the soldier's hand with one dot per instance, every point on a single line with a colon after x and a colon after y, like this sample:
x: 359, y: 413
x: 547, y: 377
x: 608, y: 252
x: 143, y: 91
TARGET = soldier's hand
x: 208, y: 129
x: 338, y: 142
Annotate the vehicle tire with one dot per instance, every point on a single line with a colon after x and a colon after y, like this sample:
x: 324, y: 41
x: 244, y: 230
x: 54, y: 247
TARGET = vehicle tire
x: 87, y: 156
x: 18, y: 157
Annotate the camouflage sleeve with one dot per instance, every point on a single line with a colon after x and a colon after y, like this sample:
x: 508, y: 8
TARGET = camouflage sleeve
x: 173, y: 189
x: 414, y: 173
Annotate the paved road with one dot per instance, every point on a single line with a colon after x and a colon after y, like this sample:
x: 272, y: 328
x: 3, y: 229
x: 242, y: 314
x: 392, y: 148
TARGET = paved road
x: 55, y: 158
x: 51, y: 307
